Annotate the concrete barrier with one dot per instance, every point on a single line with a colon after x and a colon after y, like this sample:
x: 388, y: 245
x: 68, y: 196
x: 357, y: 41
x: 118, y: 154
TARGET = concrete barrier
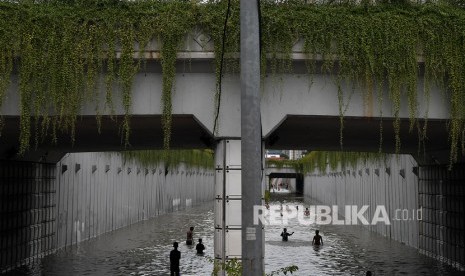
x: 441, y: 194
x: 45, y: 207
x: 392, y: 184
x: 425, y: 204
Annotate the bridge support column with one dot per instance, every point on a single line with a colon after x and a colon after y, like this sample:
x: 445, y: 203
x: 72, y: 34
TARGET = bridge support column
x: 228, y: 200
x: 27, y: 212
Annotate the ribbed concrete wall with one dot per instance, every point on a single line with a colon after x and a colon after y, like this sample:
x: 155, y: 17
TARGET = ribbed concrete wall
x: 45, y: 207
x: 99, y: 193
x: 392, y: 183
x: 442, y: 195
x: 27, y: 212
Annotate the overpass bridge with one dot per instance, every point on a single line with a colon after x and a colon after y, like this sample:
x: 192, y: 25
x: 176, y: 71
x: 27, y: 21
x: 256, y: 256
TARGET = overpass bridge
x: 297, y: 112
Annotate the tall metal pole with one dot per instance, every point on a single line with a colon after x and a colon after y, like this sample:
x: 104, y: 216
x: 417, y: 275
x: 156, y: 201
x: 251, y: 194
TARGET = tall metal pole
x: 251, y: 159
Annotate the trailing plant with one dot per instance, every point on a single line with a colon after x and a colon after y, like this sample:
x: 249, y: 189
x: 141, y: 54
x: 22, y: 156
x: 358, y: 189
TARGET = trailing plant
x: 284, y: 163
x: 220, y: 19
x: 62, y: 49
x: 172, y: 158
x: 175, y: 20
x: 321, y: 161
x: 66, y: 53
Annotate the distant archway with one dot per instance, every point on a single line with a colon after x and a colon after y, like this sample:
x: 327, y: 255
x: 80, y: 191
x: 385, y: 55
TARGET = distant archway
x: 299, y: 180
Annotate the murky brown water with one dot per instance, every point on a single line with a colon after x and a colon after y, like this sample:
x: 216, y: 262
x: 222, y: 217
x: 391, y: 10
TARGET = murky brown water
x: 143, y: 249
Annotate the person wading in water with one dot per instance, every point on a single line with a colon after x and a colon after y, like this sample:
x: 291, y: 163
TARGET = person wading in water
x: 200, y: 247
x: 317, y: 239
x: 175, y: 256
x: 190, y: 233
x: 285, y: 234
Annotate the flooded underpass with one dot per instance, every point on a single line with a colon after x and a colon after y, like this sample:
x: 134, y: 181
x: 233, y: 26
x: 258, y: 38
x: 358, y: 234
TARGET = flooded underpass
x: 143, y: 249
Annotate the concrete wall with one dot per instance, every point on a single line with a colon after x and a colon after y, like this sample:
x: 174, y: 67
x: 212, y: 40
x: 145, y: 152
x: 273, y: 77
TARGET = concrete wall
x: 374, y: 184
x: 297, y: 93
x: 437, y: 230
x: 45, y: 207
x: 442, y: 195
x: 106, y: 194
x: 27, y: 212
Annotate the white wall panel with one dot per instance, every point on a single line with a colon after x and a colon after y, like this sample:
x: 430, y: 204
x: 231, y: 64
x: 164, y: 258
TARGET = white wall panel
x: 372, y: 185
x: 116, y: 195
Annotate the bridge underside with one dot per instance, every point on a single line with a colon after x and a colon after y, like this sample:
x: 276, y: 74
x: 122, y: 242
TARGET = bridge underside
x: 294, y: 132
x: 359, y: 134
x: 146, y: 133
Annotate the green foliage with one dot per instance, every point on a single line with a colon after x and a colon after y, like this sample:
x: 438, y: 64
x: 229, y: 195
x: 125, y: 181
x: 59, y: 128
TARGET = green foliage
x: 175, y: 20
x: 285, y: 270
x: 65, y: 51
x: 284, y: 163
x: 267, y: 196
x: 62, y: 49
x: 213, y: 21
x: 233, y: 267
x: 320, y: 161
x: 172, y: 158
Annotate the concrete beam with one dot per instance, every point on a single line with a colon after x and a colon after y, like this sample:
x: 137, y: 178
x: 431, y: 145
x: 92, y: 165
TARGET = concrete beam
x: 146, y: 133
x: 298, y: 110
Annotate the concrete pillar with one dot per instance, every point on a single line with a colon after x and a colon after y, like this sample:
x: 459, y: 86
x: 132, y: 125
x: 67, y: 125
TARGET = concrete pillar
x: 228, y: 197
x: 228, y: 200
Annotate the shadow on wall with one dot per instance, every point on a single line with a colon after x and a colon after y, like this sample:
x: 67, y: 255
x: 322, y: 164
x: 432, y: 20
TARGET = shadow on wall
x: 27, y: 212
x: 45, y: 207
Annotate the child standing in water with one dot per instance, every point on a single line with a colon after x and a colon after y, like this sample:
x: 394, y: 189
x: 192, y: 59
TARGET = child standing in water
x: 317, y: 239
x: 200, y: 247
x: 189, y: 238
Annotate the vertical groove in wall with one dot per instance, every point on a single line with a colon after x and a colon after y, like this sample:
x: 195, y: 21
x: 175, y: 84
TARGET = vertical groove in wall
x: 123, y: 195
x: 361, y: 186
x: 442, y: 196
x: 44, y: 207
x: 27, y: 208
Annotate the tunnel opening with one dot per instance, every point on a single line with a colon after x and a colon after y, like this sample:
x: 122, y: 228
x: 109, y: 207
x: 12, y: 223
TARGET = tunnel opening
x: 295, y: 182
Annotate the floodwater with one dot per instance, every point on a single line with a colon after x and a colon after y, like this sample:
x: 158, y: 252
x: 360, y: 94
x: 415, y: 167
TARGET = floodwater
x: 143, y: 249
x: 346, y: 250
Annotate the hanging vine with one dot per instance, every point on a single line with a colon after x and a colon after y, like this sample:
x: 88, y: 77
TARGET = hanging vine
x: 221, y: 21
x: 172, y: 158
x: 175, y: 20
x: 321, y: 161
x: 65, y: 53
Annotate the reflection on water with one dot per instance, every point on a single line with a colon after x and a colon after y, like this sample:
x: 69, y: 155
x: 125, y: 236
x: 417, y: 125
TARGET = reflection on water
x: 140, y: 249
x: 347, y: 250
x: 143, y: 249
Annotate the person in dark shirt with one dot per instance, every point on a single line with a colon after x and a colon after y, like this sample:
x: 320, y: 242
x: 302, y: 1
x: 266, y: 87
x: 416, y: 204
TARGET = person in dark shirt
x: 285, y: 234
x: 307, y: 212
x: 190, y: 233
x: 175, y: 256
x: 200, y: 247
x: 317, y: 239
